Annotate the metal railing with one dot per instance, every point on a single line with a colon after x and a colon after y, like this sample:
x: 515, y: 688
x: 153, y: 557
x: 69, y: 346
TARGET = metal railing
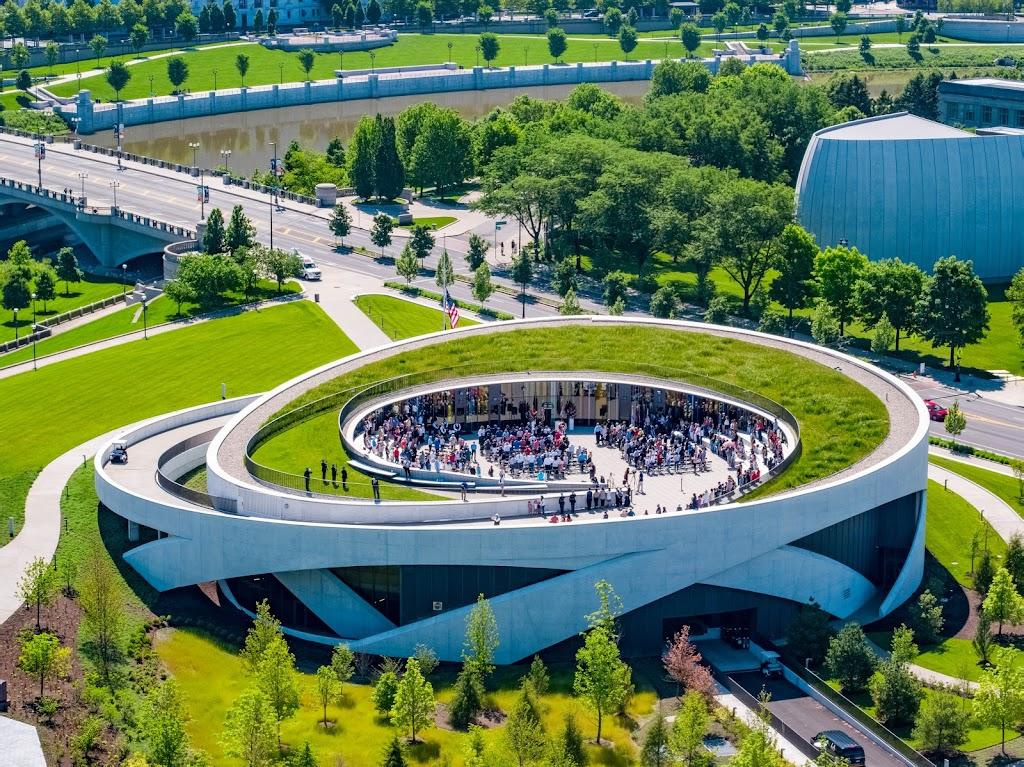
x: 172, y: 486
x: 779, y: 725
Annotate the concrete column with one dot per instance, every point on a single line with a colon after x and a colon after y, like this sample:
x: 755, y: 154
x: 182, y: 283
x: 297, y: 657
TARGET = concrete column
x: 544, y: 74
x: 615, y: 71
x: 85, y: 112
x: 181, y: 105
x: 511, y: 76
x: 478, y: 78
x: 579, y: 71
x: 308, y: 91
x: 133, y: 531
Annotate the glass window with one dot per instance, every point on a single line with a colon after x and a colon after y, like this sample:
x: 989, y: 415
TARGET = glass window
x: 1004, y: 116
x: 952, y: 112
x: 1020, y: 118
x: 986, y: 114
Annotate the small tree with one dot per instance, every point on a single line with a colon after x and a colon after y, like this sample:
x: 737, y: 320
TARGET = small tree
x: 903, y: 647
x: 564, y: 277
x: 414, y: 701
x: 327, y: 688
x: 265, y: 629
x: 476, y: 253
x: 343, y: 664
x: 654, y: 752
x: 177, y: 72
x: 570, y: 305
x: 240, y: 232
x: 214, y: 239
x: 163, y: 724
x: 46, y: 285
x: 306, y: 60
x: 117, y: 77
x: 825, y: 326
x: 467, y: 698
x: 103, y: 611
x: 249, y: 729
x: 52, y: 54
x: 179, y: 292
x: 489, y: 46
x: 393, y: 754
x: 187, y: 26
x: 384, y: 692
x: 850, y: 658
x: 481, y: 638
x: 838, y: 21
x: 276, y: 678
x: 953, y: 310
x: 444, y: 272
x: 98, y: 43
x: 664, y: 303
x: 524, y: 732
x: 522, y: 274
x: 955, y: 420
x: 242, y: 61
x: 943, y: 724
x: 689, y: 33
x: 38, y: 586
x: 407, y: 265
x: 999, y: 699
x: 138, y: 37
x: 601, y: 679
x: 280, y: 264
x: 982, y: 641
x: 558, y: 42
x: 538, y: 676
x: 896, y: 693
x: 884, y: 336
x: 682, y: 663
x: 1018, y: 473
x: 24, y: 81
x: 926, y: 618
x: 341, y: 222
x: 1002, y: 603
x: 42, y: 656
x: 421, y: 241
x: 810, y: 633
x: 627, y: 40
x: 67, y: 268
x: 380, y: 234
x: 482, y: 285
x: 688, y: 730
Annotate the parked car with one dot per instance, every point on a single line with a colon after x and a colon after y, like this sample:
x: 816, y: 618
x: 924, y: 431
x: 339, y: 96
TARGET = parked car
x: 839, y: 744
x: 310, y: 271
x: 935, y: 411
x: 593, y: 13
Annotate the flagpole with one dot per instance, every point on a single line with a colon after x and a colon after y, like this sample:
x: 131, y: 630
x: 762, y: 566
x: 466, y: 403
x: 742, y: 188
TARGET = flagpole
x: 444, y: 297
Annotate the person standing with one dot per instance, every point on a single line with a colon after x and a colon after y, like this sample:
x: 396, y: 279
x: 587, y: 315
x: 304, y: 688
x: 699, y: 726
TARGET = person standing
x: 572, y: 502
x: 590, y: 499
x: 323, y: 470
x: 640, y: 483
x: 344, y: 478
x: 307, y: 474
x: 375, y: 484
x: 561, y: 504
x: 334, y: 474
x: 463, y: 487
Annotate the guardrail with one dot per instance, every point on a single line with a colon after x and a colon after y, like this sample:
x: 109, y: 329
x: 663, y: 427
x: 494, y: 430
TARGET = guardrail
x: 787, y: 732
x: 190, y: 494
x: 351, y: 398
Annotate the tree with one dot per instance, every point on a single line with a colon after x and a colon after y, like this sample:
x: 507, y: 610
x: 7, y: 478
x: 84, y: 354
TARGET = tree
x: 570, y: 305
x: 16, y: 292
x: 384, y: 692
x: 280, y: 264
x: 393, y: 755
x: 850, y: 658
x: 303, y: 758
x: 265, y: 629
x: 913, y: 46
x: 564, y: 277
x: 601, y: 678
x: 903, y: 647
x: 249, y: 730
x: 984, y: 572
x: 43, y: 657
x: 758, y: 747
x: 890, y: 289
x: 1013, y: 560
x: 444, y: 272
x: 362, y: 157
x: 682, y: 663
x: 943, y: 723
x: 953, y: 309
x: 849, y: 90
x: 139, y: 36
x: 612, y: 20
x: 689, y: 33
x: 187, y: 26
x: 240, y: 232
x: 688, y: 730
x: 883, y: 337
x: 38, y: 586
x: 467, y: 698
x: 838, y: 21
x: 277, y: 680
x: 98, y: 44
x: 163, y: 725
x: 982, y: 641
x: 442, y: 155
x: 896, y: 693
x: 522, y: 274
x: 343, y: 664
x: 46, y: 285
x: 414, y: 701
x: 179, y: 292
x: 482, y: 285
x: 837, y: 271
x: 373, y: 12
x: 901, y: 25
x: 230, y: 18
x: 340, y: 222
x: 795, y: 254
x: 103, y: 611
x: 664, y: 303
x: 67, y: 268
x: 763, y: 33
x: 241, y: 60
x: 926, y: 618
x: 524, y: 732
x: 117, y: 77
x: 327, y: 688
x: 53, y: 53
x: 654, y: 752
x: 407, y: 265
x: 272, y: 21
x: 380, y: 234
x: 489, y: 46
x: 214, y: 239
x: 388, y: 171
x: 719, y: 21
x: 24, y: 81
x: 999, y: 699
x: 421, y: 241
x: 627, y: 40
x: 306, y: 59
x: 558, y: 43
x: 481, y: 638
x: 955, y: 421
x: 671, y: 77
x: 177, y: 72
x: 1015, y: 295
x: 1002, y: 603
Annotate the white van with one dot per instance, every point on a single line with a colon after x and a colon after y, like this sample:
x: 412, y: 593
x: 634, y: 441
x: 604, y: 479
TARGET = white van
x: 310, y: 271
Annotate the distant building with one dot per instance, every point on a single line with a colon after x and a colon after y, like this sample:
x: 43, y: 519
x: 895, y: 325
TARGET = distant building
x: 899, y: 186
x: 290, y: 13
x: 982, y: 102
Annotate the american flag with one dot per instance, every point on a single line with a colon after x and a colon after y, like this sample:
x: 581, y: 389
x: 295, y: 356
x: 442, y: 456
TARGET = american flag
x: 451, y: 309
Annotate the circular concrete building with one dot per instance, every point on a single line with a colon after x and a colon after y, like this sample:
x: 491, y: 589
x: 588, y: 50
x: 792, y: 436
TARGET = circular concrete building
x: 785, y: 472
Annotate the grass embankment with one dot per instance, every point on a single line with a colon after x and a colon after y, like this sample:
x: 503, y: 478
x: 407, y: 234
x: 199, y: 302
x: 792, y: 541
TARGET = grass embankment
x: 952, y: 522
x: 1002, y: 485
x: 400, y: 319
x: 49, y: 411
x: 130, y: 319
x: 211, y: 677
x: 267, y: 66
x: 929, y: 57
x: 89, y: 290
x: 840, y: 420
x: 431, y: 222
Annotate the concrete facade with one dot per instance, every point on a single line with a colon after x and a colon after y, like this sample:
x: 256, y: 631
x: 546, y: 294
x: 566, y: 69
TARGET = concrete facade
x: 774, y: 550
x: 94, y: 117
x: 982, y: 102
x: 899, y: 186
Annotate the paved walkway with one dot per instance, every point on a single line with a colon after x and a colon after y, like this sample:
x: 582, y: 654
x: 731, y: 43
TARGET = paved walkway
x: 790, y: 753
x: 970, y: 460
x: 338, y: 289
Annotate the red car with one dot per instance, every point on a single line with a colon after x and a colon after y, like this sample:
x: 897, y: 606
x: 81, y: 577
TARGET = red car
x: 935, y: 411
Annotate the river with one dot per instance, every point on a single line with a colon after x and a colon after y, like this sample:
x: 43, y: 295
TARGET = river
x: 248, y: 134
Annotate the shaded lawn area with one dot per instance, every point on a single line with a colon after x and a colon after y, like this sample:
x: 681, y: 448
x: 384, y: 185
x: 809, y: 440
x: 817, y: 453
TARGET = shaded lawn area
x: 400, y: 319
x: 127, y: 320
x: 841, y: 421
x: 431, y: 222
x: 91, y: 289
x: 411, y: 49
x: 211, y: 676
x: 1006, y: 487
x: 61, y: 405
x: 115, y: 52
x: 952, y: 522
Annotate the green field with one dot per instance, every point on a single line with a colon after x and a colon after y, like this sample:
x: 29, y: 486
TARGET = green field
x: 115, y: 52
x: 930, y: 57
x: 431, y: 222
x: 267, y: 66
x: 1002, y: 485
x: 49, y: 411
x: 840, y: 420
x: 89, y: 290
x: 399, y: 318
x: 952, y: 522
x: 129, y: 319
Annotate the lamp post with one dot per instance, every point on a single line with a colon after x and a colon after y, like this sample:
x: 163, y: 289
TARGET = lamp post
x: 194, y: 146
x: 595, y: 53
x: 151, y: 86
x: 449, y: 51
x: 225, y: 156
x: 82, y: 176
x: 40, y: 156
x: 373, y: 57
x: 477, y: 48
x: 215, y: 79
x: 273, y: 192
x: 145, y: 326
x: 280, y: 70
x: 341, y: 60
x: 114, y: 185
x: 124, y: 280
x: 15, y: 310
x: 34, y: 332
x: 202, y: 195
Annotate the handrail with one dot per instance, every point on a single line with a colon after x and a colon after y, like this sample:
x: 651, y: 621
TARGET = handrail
x: 176, y: 488
x: 777, y: 723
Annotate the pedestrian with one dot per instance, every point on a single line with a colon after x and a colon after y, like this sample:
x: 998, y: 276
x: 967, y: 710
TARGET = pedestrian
x: 541, y: 505
x: 323, y: 470
x: 344, y: 478
x: 501, y: 481
x: 561, y: 504
x: 464, y: 487
x: 307, y: 474
x: 375, y: 484
x: 640, y: 482
x: 572, y: 502
x: 334, y: 474
x: 590, y: 499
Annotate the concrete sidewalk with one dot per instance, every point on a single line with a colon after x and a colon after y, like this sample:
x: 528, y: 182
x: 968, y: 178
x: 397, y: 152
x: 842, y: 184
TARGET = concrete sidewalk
x: 1004, y: 520
x: 338, y: 289
x: 970, y: 460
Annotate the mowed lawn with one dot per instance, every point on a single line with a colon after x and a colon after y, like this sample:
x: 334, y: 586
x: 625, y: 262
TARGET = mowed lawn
x: 399, y: 318
x: 49, y: 411
x: 88, y: 291
x: 267, y: 66
x: 952, y: 522
x: 211, y: 676
x: 1002, y: 485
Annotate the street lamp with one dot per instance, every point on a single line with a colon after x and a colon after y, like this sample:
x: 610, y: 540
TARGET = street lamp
x: 449, y: 51
x: 273, y: 192
x: 280, y: 70
x: 145, y: 326
x: 202, y: 195
x: 151, y: 86
x: 82, y: 177
x: 34, y: 332
x: 477, y: 55
x: 373, y: 57
x: 124, y: 279
x: 15, y: 310
x: 40, y: 156
x: 215, y: 79
x: 341, y: 60
x: 595, y: 53
x: 114, y: 185
x: 194, y: 146
x: 225, y: 156
x: 526, y: 54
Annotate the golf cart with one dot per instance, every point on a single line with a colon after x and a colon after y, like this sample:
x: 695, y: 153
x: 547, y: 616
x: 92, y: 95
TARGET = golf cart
x: 119, y: 452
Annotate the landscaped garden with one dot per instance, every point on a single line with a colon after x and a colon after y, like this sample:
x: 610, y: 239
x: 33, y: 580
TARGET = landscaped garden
x: 90, y: 289
x: 400, y: 319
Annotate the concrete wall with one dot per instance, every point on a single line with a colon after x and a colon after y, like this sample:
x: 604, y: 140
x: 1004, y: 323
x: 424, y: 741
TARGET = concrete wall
x: 984, y: 30
x: 95, y: 117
